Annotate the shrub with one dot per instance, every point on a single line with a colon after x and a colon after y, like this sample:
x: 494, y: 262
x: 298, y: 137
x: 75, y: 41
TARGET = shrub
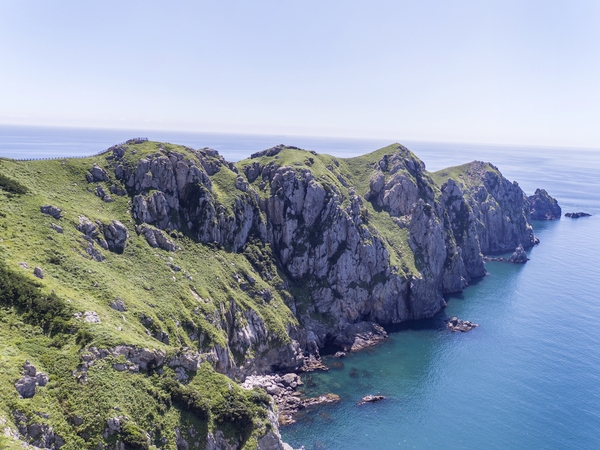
x: 188, y: 399
x: 51, y: 313
x: 233, y: 408
x: 134, y: 437
x: 12, y: 186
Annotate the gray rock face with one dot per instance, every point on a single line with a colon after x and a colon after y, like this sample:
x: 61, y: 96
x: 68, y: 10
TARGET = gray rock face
x: 360, y: 335
x: 39, y: 435
x: 543, y: 207
x: 101, y: 192
x: 501, y: 208
x: 116, y: 236
x: 51, y: 211
x: 182, y: 198
x: 118, y: 305
x: 26, y: 386
x: 118, y: 190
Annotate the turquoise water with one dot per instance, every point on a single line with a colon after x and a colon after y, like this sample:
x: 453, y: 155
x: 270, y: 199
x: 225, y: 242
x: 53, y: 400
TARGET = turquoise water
x: 528, y: 377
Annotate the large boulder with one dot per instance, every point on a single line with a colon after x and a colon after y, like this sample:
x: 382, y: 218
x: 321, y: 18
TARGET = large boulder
x: 25, y: 386
x: 116, y: 236
x: 51, y: 211
x: 543, y: 207
x: 96, y: 174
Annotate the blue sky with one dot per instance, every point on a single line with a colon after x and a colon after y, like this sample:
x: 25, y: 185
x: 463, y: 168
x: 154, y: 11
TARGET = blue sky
x: 518, y: 72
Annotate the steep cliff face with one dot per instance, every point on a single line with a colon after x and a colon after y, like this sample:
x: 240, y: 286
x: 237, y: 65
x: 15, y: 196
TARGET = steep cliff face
x: 325, y: 235
x: 500, y: 207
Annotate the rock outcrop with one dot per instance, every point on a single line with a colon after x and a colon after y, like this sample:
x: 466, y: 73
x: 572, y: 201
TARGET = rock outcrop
x: 519, y: 256
x: 96, y: 174
x: 543, y: 207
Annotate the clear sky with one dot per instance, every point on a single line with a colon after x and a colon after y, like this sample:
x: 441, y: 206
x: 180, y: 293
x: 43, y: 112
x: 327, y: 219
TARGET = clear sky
x: 520, y: 72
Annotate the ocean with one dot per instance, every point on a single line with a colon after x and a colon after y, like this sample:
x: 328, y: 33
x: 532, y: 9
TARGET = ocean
x: 527, y: 378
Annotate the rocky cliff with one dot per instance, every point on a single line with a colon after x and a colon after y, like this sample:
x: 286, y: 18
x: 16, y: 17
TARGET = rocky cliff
x: 196, y: 265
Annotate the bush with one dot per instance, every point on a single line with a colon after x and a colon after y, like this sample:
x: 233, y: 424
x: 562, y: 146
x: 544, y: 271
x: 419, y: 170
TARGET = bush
x: 188, y: 399
x: 134, y: 437
x: 83, y: 337
x: 51, y: 313
x: 12, y: 186
x: 233, y: 408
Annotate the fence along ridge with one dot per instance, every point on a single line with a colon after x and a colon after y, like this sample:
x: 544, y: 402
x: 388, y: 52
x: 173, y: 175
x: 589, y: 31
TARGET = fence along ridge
x: 139, y: 139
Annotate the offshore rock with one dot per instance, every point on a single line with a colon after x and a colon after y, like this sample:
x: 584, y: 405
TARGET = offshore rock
x: 543, y: 207
x: 577, y: 215
x: 455, y: 324
x: 519, y: 256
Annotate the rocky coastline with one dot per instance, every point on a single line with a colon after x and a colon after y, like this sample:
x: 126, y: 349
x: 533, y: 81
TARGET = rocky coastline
x: 299, y: 252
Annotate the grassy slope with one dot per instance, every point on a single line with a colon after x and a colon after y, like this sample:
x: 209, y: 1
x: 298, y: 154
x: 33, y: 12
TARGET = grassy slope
x: 141, y: 276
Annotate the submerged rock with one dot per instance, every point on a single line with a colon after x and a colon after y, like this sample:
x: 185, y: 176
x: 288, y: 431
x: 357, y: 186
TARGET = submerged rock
x: 371, y: 399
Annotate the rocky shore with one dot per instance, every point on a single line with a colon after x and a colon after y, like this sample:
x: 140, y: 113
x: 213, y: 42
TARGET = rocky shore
x: 283, y: 389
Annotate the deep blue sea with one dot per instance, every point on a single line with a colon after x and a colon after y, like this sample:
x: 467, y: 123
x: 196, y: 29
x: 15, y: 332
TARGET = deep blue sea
x: 527, y: 378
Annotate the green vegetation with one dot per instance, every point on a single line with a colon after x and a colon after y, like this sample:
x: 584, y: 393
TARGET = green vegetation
x: 187, y: 294
x: 11, y: 186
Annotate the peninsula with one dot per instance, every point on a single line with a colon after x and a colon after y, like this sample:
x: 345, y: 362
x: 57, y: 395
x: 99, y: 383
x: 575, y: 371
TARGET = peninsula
x: 140, y: 287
